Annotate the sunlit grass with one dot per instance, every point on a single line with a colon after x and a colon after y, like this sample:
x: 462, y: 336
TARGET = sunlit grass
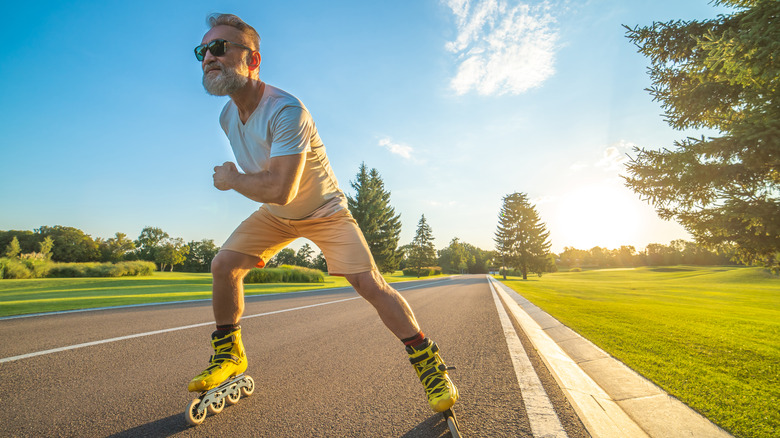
x: 19, y: 297
x: 709, y: 336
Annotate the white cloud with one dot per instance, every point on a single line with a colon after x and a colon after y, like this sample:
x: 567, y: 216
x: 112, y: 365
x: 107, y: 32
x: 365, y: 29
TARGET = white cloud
x: 397, y: 148
x: 613, y: 158
x: 502, y: 48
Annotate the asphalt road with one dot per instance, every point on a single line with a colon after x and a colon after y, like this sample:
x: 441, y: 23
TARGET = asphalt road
x: 323, y: 365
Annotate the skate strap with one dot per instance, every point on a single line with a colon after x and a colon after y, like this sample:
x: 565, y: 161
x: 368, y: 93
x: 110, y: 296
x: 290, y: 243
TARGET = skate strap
x: 425, y: 356
x: 223, y: 341
x: 224, y: 356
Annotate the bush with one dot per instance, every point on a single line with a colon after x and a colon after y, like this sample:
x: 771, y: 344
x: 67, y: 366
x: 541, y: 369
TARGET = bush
x: 13, y: 268
x: 422, y: 272
x: 122, y: 269
x: 285, y: 274
x: 575, y: 270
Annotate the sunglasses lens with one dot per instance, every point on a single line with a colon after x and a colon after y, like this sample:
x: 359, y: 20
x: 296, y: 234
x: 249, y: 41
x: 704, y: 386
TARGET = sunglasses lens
x: 200, y: 52
x: 217, y: 47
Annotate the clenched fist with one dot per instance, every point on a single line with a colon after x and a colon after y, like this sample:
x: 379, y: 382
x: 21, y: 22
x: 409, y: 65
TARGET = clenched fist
x: 224, y: 175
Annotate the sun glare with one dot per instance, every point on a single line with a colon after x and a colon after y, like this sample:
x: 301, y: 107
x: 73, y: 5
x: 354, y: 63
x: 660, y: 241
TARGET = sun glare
x: 597, y: 215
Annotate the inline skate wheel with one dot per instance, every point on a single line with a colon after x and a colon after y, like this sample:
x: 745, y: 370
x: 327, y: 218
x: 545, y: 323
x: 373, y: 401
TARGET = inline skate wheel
x: 216, y: 407
x: 249, y: 388
x: 233, y: 397
x: 192, y: 415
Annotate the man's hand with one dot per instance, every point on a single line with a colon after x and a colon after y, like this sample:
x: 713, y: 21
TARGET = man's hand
x: 225, y: 175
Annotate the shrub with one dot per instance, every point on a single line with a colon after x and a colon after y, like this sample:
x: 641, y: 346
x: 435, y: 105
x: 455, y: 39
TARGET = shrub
x: 13, y: 269
x: 422, y: 272
x: 284, y: 274
x: 575, y: 270
x: 123, y: 269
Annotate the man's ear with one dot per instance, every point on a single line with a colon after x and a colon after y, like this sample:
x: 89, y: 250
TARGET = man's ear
x: 254, y: 62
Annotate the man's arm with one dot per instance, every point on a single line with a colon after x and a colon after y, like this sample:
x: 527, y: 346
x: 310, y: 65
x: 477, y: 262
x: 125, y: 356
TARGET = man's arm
x: 278, y: 184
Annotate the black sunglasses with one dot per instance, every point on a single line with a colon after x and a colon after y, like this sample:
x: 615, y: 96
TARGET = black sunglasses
x: 216, y: 47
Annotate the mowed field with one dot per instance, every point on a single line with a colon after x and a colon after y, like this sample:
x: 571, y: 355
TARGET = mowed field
x: 20, y: 297
x: 708, y: 335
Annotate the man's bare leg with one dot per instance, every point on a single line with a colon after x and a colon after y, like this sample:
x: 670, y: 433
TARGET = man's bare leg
x: 389, y: 304
x: 423, y: 353
x: 228, y: 270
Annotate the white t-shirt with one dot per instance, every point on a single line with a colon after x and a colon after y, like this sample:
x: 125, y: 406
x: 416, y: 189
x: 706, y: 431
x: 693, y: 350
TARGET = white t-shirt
x: 281, y: 125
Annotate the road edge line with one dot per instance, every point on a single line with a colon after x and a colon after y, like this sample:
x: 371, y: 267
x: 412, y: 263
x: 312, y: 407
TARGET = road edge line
x: 600, y: 414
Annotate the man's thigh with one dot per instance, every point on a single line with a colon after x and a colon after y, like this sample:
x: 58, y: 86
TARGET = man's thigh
x: 341, y: 241
x: 261, y: 236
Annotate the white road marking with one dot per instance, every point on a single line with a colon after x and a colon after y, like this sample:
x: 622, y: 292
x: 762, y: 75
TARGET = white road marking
x: 158, y: 332
x: 544, y: 421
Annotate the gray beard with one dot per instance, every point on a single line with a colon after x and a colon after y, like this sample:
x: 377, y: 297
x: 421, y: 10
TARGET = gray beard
x: 227, y: 82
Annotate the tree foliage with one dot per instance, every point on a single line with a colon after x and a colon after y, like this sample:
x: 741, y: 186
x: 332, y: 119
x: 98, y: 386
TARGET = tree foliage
x: 723, y: 75
x: 149, y: 242
x: 115, y: 248
x: 521, y: 237
x: 461, y: 257
x: 171, y: 252
x: 376, y: 218
x: 200, y: 256
x: 421, y: 253
x: 70, y: 244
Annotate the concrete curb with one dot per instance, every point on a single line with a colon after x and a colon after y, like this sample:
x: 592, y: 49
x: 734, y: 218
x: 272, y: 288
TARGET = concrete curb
x: 611, y: 399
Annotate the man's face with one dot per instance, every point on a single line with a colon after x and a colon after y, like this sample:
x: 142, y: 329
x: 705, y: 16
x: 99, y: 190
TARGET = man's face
x: 225, y: 74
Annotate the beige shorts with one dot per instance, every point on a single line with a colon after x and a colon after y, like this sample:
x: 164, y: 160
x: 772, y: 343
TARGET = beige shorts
x: 338, y: 236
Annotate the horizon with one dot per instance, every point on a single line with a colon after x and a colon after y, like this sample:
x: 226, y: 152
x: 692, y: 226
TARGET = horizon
x: 455, y: 103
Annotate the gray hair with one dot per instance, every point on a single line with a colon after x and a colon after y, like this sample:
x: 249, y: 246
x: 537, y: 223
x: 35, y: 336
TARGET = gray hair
x: 231, y: 20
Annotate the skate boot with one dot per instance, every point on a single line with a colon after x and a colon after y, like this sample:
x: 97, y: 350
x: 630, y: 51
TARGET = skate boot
x: 432, y: 371
x: 229, y: 360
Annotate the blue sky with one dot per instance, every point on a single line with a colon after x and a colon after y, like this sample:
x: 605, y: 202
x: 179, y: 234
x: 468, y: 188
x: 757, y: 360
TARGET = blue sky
x: 106, y: 127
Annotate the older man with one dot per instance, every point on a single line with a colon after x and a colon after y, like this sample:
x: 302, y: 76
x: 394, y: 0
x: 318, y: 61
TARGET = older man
x: 276, y: 145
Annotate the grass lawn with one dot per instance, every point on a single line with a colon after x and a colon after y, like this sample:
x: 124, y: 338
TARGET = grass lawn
x: 18, y: 297
x: 708, y: 335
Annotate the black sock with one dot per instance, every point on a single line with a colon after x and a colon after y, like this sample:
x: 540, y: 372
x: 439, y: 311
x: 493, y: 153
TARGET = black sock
x: 225, y: 329
x: 415, y: 341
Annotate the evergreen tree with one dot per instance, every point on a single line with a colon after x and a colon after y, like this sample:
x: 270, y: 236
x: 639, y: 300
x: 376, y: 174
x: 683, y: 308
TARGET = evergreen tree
x: 522, y: 238
x: 376, y: 218
x: 303, y: 257
x: 422, y: 253
x: 721, y: 74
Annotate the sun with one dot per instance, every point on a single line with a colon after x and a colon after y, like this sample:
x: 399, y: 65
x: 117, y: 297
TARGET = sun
x: 604, y: 215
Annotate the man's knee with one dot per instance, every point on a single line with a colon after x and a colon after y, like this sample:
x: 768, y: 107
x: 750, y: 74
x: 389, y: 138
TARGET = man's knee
x: 368, y: 284
x: 231, y: 264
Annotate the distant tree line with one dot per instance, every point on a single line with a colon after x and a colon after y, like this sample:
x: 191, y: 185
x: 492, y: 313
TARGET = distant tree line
x: 71, y: 245
x: 678, y: 252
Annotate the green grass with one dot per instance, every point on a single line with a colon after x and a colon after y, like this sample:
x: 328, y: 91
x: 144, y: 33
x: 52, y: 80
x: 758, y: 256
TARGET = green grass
x: 18, y: 297
x: 709, y: 336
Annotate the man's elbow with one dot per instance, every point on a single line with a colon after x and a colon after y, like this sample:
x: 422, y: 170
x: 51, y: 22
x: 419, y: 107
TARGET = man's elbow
x: 284, y: 197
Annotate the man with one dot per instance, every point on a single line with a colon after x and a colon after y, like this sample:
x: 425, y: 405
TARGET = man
x: 285, y: 168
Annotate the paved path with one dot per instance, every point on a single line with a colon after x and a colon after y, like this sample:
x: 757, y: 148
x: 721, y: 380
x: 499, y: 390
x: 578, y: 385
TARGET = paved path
x: 323, y: 363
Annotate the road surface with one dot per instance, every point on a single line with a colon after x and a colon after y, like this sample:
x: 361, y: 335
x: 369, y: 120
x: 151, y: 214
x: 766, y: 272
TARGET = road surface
x: 323, y: 365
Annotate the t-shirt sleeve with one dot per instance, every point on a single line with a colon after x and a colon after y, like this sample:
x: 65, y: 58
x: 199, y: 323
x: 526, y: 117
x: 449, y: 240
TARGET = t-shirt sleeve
x: 291, y: 130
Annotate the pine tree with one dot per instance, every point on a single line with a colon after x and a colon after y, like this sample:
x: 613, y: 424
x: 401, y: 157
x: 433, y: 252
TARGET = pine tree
x: 376, y: 218
x: 723, y: 75
x: 422, y: 253
x: 521, y: 237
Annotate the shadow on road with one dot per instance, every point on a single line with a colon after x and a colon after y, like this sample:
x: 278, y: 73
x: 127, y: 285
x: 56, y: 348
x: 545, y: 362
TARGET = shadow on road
x: 161, y: 428
x: 433, y: 427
